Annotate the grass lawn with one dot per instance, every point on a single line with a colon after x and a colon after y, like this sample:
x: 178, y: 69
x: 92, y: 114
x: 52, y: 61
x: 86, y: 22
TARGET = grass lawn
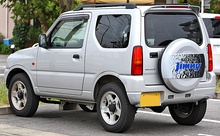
x: 217, y: 89
x: 3, y: 94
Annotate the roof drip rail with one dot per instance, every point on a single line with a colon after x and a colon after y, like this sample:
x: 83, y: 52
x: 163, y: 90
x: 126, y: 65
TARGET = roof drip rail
x: 127, y: 6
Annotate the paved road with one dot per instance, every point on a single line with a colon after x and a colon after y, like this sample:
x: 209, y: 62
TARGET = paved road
x: 49, y: 121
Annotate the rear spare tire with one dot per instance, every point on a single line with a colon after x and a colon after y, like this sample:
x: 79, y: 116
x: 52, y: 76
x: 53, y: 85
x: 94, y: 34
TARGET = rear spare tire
x: 182, y: 65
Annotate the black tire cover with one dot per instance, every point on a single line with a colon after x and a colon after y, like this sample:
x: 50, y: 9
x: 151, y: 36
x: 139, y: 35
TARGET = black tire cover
x: 182, y: 65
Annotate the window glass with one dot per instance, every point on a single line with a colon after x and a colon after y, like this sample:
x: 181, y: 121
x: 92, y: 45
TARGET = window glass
x: 69, y: 34
x: 112, y: 31
x: 213, y: 27
x: 163, y: 28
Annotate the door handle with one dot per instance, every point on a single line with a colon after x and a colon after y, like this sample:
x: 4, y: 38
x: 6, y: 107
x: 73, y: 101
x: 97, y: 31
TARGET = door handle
x: 76, y: 56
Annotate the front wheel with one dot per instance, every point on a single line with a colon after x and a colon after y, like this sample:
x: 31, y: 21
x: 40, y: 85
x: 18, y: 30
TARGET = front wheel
x: 188, y: 113
x: 114, y: 110
x: 23, y: 101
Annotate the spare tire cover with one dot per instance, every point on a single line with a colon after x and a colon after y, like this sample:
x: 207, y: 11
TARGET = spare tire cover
x: 182, y: 65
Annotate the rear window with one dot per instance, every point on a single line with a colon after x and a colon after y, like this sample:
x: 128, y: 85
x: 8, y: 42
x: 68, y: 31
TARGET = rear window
x: 163, y: 28
x: 213, y: 27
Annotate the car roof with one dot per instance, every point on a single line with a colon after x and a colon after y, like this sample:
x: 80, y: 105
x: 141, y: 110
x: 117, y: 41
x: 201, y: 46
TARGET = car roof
x: 142, y: 8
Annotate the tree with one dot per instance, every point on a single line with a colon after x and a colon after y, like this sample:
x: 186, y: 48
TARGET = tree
x: 191, y: 2
x: 45, y: 11
x: 214, y: 7
x: 65, y: 5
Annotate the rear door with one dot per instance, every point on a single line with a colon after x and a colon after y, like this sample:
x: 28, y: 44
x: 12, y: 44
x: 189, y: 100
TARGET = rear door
x: 163, y: 28
x: 60, y: 68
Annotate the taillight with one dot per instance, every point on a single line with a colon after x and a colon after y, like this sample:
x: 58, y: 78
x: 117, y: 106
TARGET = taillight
x: 137, y: 61
x: 217, y: 17
x: 210, y: 62
x: 183, y: 6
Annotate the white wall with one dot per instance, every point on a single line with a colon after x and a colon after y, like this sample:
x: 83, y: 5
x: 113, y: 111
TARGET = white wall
x: 3, y: 25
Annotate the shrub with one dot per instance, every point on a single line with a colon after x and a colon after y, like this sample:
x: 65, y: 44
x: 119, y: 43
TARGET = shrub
x: 25, y: 35
x: 1, y: 44
x: 1, y: 38
x: 32, y: 35
x: 20, y: 35
x: 5, y: 49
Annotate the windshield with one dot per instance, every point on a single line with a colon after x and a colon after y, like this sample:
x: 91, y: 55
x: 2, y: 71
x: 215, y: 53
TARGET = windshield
x: 163, y: 28
x: 213, y: 27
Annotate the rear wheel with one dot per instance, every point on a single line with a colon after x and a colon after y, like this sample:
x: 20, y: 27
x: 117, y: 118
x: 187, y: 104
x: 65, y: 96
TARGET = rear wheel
x: 188, y: 113
x: 114, y: 110
x: 23, y: 101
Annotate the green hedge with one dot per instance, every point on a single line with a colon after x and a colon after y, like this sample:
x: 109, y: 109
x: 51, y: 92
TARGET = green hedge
x: 20, y: 35
x: 4, y: 49
x: 1, y: 38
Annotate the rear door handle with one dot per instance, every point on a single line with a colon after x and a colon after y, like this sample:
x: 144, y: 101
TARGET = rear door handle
x: 154, y: 55
x: 76, y: 56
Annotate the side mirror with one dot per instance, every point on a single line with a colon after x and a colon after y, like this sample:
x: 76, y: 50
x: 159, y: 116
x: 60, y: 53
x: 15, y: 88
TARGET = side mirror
x: 13, y: 48
x: 43, y: 41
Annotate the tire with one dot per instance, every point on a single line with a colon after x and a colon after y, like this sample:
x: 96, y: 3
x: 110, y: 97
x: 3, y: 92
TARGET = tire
x: 114, y: 110
x: 188, y: 113
x: 22, y: 100
x: 84, y: 108
x: 176, y: 66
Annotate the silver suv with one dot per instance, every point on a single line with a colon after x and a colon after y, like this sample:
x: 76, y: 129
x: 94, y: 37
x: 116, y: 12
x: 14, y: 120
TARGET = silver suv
x: 115, y: 58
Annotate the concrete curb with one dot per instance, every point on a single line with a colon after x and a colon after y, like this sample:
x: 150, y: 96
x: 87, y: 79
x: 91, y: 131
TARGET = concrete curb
x: 67, y: 106
x: 5, y: 110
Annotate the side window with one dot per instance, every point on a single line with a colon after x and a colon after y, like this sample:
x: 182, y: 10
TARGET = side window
x: 112, y: 31
x: 69, y: 33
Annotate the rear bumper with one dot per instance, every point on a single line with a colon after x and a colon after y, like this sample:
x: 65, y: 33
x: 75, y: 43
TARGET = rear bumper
x: 204, y: 90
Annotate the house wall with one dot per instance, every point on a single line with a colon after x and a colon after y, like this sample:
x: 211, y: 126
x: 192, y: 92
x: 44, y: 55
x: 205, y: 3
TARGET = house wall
x: 3, y: 26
